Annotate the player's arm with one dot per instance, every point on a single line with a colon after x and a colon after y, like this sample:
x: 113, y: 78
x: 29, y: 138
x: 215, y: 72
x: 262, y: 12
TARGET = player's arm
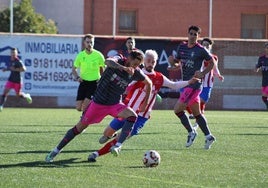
x: 201, y: 74
x: 174, y: 63
x: 216, y: 70
x: 257, y: 66
x: 75, y: 68
x: 21, y: 68
x: 179, y: 84
x: 113, y: 63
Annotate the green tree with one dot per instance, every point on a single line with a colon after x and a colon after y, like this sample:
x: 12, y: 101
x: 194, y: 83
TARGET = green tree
x: 26, y: 20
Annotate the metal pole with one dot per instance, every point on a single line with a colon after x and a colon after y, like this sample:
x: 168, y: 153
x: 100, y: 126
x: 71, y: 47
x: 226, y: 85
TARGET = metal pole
x: 114, y: 18
x: 210, y: 18
x: 11, y: 16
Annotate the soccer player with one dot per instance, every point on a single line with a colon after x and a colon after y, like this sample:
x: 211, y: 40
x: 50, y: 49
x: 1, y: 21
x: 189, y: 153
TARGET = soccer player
x: 263, y: 65
x: 190, y: 55
x: 14, y: 81
x: 134, y: 98
x: 90, y: 63
x: 107, y: 99
x: 208, y: 80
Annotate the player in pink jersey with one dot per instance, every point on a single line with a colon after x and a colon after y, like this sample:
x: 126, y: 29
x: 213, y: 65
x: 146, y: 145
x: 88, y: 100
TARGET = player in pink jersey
x: 262, y: 65
x: 16, y: 67
x: 208, y: 79
x: 134, y: 99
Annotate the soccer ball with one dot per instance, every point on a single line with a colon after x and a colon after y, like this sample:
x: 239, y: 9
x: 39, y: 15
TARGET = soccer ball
x: 151, y: 158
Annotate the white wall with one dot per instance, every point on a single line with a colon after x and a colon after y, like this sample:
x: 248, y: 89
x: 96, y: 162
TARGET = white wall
x: 68, y: 14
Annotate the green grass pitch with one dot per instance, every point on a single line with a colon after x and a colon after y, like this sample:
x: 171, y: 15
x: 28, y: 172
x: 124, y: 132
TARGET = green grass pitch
x: 239, y: 158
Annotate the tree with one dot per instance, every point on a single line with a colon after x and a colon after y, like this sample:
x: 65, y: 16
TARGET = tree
x: 26, y: 20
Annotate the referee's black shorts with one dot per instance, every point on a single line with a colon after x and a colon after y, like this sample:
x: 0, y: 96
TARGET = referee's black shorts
x: 86, y: 89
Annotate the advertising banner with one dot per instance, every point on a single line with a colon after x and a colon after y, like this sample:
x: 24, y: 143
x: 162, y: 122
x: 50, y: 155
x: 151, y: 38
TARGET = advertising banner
x: 48, y: 60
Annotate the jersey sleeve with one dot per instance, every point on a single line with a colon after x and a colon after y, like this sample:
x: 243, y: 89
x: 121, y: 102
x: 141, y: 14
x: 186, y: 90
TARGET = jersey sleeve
x: 77, y: 60
x: 139, y: 75
x: 101, y: 60
x: 174, y: 85
x: 207, y: 55
x: 258, y: 64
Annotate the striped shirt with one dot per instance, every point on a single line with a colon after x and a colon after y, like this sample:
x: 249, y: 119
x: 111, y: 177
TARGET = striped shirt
x: 208, y: 80
x: 137, y: 91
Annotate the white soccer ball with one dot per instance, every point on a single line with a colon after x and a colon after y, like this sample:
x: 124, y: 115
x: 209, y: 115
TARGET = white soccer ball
x: 151, y: 158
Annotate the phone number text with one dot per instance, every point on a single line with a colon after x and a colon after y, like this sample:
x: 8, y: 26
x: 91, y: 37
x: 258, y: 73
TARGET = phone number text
x: 52, y: 76
x: 52, y: 63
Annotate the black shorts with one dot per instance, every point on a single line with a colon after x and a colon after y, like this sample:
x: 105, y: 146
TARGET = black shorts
x: 86, y: 89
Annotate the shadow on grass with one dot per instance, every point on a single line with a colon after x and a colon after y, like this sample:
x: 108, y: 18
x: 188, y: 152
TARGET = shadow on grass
x: 252, y: 134
x: 57, y: 164
x: 46, y: 132
x: 139, y: 167
x: 46, y: 152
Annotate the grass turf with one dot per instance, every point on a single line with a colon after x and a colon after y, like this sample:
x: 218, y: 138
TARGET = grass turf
x: 239, y: 158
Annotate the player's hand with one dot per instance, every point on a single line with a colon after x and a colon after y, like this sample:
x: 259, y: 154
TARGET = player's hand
x: 198, y: 74
x: 221, y: 78
x: 171, y: 60
x: 194, y: 80
x: 129, y: 70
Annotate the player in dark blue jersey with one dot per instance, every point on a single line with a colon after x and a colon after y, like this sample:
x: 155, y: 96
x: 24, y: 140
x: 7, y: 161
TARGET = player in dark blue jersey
x: 263, y: 65
x: 15, y: 67
x: 190, y: 56
x: 107, y: 99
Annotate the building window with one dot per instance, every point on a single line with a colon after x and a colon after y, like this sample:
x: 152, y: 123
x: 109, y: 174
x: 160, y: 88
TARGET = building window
x: 127, y: 21
x: 253, y: 26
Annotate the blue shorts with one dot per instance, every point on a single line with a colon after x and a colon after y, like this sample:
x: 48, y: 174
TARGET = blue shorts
x: 205, y: 94
x: 117, y: 124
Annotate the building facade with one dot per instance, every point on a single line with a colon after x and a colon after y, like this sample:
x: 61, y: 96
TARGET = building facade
x: 246, y: 19
x: 170, y: 18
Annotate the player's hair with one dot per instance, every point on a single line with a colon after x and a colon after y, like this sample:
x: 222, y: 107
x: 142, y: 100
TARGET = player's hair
x: 137, y: 54
x: 211, y: 42
x: 151, y: 53
x: 130, y: 38
x: 195, y: 28
x: 88, y: 36
x: 14, y: 49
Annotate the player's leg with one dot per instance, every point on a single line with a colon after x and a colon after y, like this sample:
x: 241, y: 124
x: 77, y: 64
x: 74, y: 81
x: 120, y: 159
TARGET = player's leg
x: 110, y: 130
x: 81, y: 95
x: 69, y: 136
x: 19, y: 93
x: 130, y: 118
x: 114, y: 126
x: 265, y: 96
x: 179, y: 108
x: 102, y: 151
x: 202, y: 122
x: 204, y: 98
x: 8, y: 86
x: 188, y: 109
x: 138, y: 125
x: 4, y: 97
x: 89, y: 88
x: 94, y: 114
